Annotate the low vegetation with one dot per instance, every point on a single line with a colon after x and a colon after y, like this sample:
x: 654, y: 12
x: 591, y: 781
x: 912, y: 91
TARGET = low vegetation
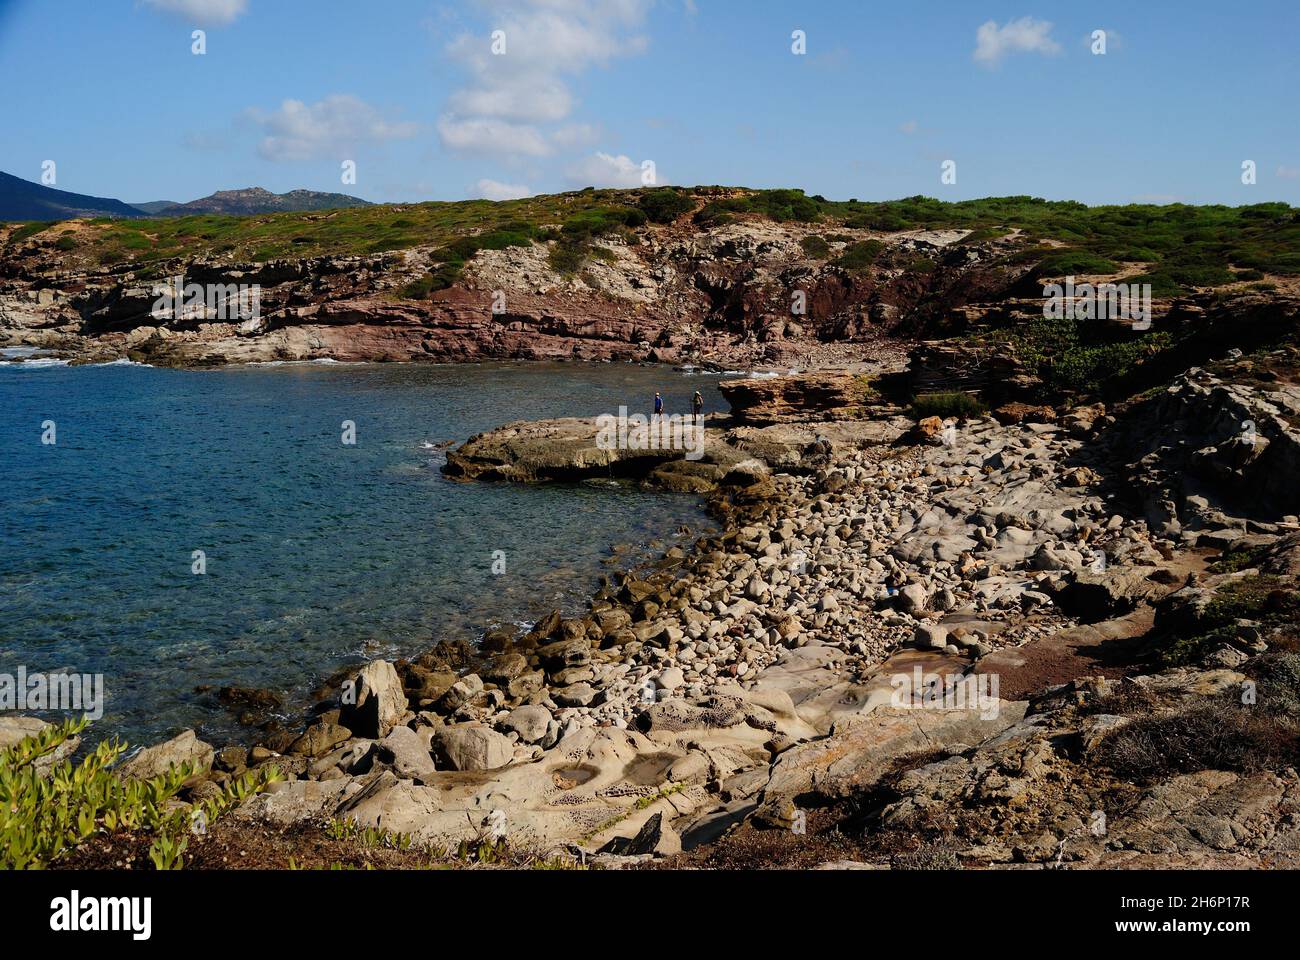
x: 357, y: 847
x: 1174, y: 247
x: 949, y: 404
x: 1234, y: 731
x: 1264, y: 600
x: 48, y: 809
x: 815, y: 247
x: 666, y: 205
x: 1220, y: 735
x: 859, y: 257
x: 1074, y: 355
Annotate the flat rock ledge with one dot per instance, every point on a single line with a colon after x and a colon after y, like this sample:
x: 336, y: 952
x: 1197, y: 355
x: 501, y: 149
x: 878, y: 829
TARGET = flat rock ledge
x: 731, y: 454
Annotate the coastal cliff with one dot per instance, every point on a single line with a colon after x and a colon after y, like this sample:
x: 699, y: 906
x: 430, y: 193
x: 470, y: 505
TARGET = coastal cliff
x: 721, y: 277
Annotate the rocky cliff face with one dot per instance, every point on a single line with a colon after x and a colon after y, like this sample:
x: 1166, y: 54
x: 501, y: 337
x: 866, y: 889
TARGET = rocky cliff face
x: 765, y: 401
x: 742, y: 293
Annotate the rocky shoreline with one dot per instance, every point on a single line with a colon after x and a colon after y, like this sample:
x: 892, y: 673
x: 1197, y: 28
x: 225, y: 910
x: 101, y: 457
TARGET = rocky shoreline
x: 799, y: 673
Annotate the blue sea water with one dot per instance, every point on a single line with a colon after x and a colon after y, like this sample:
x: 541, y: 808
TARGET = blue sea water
x: 318, y: 553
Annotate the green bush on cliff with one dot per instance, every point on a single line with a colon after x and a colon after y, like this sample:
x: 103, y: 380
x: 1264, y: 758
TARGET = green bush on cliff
x: 666, y: 204
x: 46, y: 813
x: 983, y: 234
x: 21, y: 233
x: 601, y: 222
x: 440, y: 279
x: 1086, y: 369
x: 1076, y: 355
x: 815, y: 247
x: 462, y: 250
x: 779, y: 205
x: 1074, y: 263
x: 785, y: 205
x: 568, y: 256
x: 859, y: 256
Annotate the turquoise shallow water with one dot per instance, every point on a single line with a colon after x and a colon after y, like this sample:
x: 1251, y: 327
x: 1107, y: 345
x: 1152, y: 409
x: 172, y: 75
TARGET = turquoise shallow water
x: 318, y: 553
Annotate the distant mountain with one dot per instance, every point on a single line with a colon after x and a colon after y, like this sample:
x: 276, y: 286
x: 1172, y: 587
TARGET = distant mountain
x: 23, y: 200
x: 153, y: 206
x: 256, y: 200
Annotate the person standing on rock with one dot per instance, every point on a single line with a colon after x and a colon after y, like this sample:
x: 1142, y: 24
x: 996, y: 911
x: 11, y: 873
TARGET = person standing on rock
x: 697, y: 404
x: 659, y: 404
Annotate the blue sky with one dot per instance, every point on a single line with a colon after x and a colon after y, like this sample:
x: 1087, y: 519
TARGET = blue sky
x: 710, y: 91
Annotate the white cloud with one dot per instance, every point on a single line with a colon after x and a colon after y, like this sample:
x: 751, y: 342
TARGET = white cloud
x: 485, y: 135
x: 606, y: 170
x: 546, y: 100
x: 576, y: 136
x: 215, y: 13
x: 495, y: 190
x: 1288, y: 173
x: 512, y: 96
x: 1025, y: 35
x: 327, y: 128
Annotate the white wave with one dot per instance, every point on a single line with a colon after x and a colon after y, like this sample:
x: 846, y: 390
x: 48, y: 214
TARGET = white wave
x: 320, y: 361
x: 36, y: 362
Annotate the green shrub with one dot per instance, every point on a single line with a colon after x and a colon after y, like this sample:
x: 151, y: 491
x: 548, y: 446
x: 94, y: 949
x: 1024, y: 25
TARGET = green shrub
x: 1073, y: 263
x: 46, y: 814
x: 665, y: 204
x: 948, y: 404
x: 983, y: 234
x: 29, y: 230
x: 1076, y: 355
x: 783, y: 205
x: 568, y: 256
x: 779, y: 205
x: 601, y: 221
x: 440, y: 279
x: 1230, y: 561
x: 1085, y: 369
x: 1162, y: 283
x: 859, y: 256
x: 1264, y: 599
x: 712, y: 215
x: 815, y: 247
